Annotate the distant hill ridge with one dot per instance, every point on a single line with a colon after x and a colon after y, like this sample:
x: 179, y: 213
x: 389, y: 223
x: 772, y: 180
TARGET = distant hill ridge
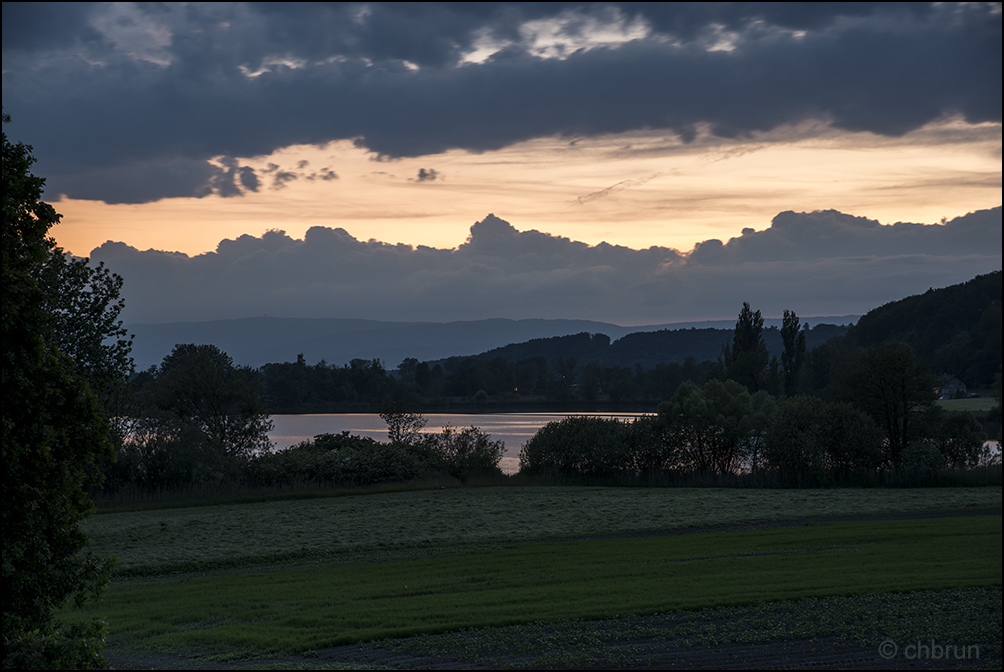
x: 256, y: 341
x: 649, y: 348
x: 956, y: 329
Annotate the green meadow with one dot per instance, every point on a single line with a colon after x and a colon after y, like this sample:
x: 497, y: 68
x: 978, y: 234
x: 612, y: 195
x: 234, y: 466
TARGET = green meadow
x: 249, y: 533
x: 297, y: 576
x: 978, y: 405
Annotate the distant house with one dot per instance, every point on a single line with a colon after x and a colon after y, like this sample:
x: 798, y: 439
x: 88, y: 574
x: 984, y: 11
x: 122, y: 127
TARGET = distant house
x: 949, y: 387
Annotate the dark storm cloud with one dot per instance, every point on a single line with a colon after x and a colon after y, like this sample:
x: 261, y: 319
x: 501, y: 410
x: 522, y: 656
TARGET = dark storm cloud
x: 814, y: 263
x: 248, y: 178
x: 163, y: 87
x: 426, y: 175
x: 811, y: 236
x: 224, y: 183
x: 33, y: 27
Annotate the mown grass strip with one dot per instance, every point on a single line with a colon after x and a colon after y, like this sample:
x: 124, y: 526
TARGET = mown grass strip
x: 234, y: 535
x: 311, y: 608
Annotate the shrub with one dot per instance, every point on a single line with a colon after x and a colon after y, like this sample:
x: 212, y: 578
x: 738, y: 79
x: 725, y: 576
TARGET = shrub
x: 165, y: 452
x: 579, y: 446
x: 338, y: 459
x: 469, y: 452
x: 961, y: 441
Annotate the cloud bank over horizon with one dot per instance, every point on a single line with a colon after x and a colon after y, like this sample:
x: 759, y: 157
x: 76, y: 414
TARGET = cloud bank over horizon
x: 818, y: 263
x: 134, y: 103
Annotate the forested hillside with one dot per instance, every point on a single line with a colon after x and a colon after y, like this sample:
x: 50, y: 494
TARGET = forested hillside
x: 639, y: 369
x: 650, y: 348
x: 956, y: 329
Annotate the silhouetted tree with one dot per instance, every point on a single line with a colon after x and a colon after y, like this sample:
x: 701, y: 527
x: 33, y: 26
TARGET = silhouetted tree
x: 746, y: 360
x: 403, y: 426
x: 710, y: 428
x: 812, y: 442
x: 894, y: 387
x: 406, y: 370
x: 200, y: 384
x: 794, y: 351
x: 85, y: 303
x: 54, y: 437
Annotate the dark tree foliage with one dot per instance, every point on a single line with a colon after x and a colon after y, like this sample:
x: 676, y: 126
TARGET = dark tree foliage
x: 794, y: 351
x: 961, y: 440
x: 810, y: 442
x: 468, y: 452
x: 300, y: 388
x: 196, y: 418
x: 827, y: 368
x: 199, y: 384
x: 715, y: 429
x: 893, y: 386
x: 85, y: 304
x: 973, y: 353
x: 957, y: 329
x: 338, y: 459
x: 403, y: 426
x: 578, y: 446
x: 296, y: 387
x: 163, y: 451
x: 54, y: 437
x: 746, y: 361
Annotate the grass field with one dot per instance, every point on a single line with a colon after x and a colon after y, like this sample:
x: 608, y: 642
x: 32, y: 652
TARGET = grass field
x: 260, y: 532
x: 246, y: 581
x: 980, y: 405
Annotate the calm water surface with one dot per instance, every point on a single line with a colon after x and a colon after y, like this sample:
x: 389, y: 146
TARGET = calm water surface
x: 514, y: 429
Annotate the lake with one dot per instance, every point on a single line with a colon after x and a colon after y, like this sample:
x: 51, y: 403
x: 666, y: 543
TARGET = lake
x: 514, y: 429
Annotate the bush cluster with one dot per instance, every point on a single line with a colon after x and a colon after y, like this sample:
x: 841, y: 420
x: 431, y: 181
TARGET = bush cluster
x: 724, y: 431
x: 338, y: 459
x: 344, y: 459
x: 159, y: 455
x: 588, y: 446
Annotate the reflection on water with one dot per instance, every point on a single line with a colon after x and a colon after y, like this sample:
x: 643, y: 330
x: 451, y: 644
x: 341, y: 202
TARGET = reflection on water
x: 514, y: 429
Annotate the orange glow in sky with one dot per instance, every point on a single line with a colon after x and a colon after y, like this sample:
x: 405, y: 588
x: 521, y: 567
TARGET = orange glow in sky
x: 636, y: 190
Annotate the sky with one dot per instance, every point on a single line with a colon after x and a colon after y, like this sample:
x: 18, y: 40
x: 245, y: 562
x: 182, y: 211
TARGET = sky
x: 632, y: 163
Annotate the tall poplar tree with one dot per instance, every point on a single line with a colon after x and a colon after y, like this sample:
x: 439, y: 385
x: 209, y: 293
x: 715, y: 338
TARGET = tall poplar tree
x: 794, y: 351
x: 746, y: 361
